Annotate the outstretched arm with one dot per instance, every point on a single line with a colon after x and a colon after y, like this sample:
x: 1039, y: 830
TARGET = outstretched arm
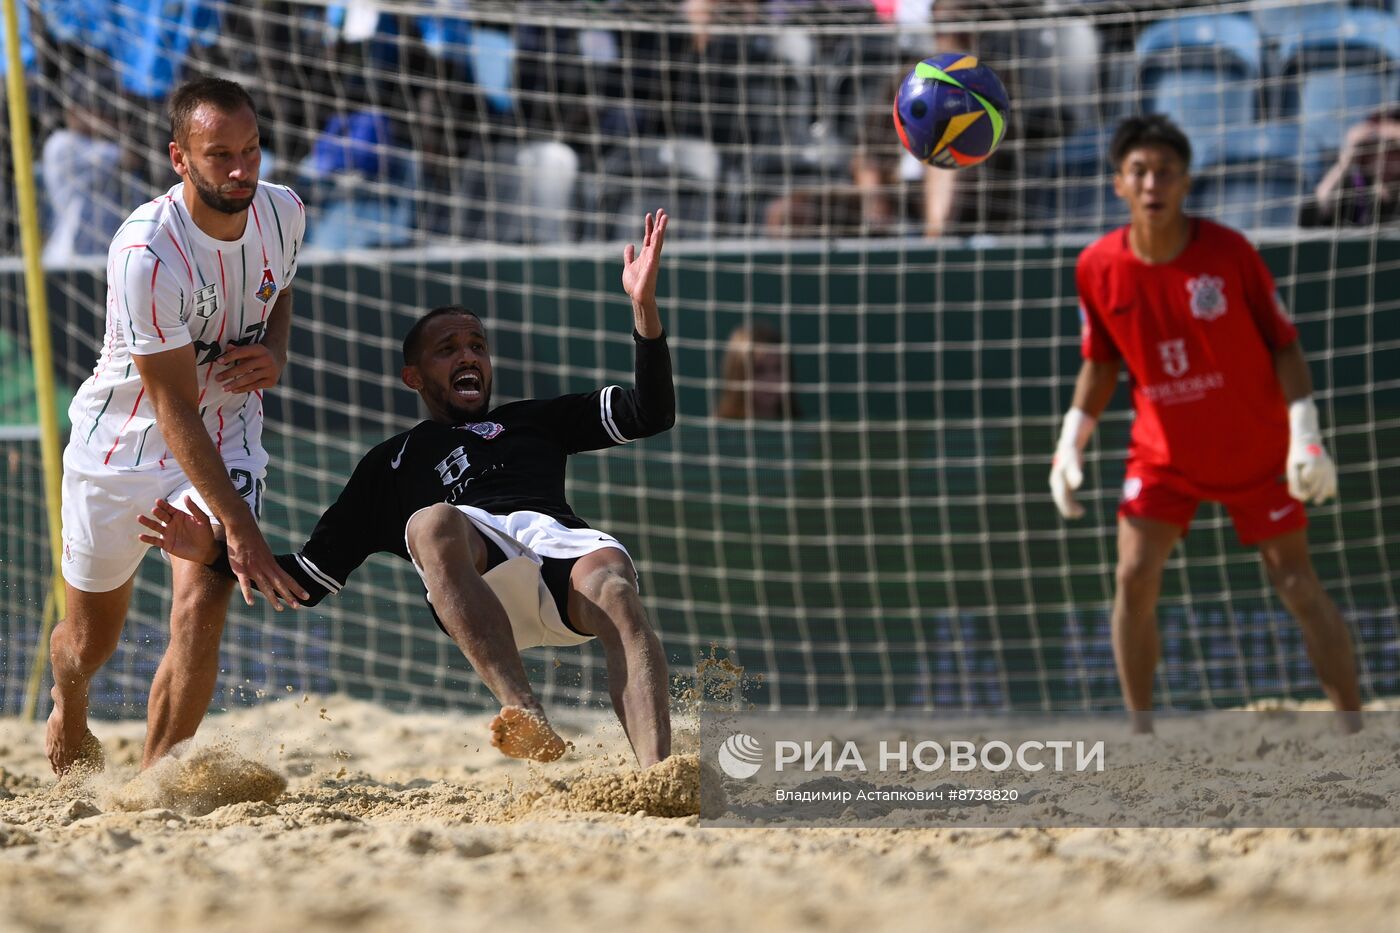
x: 650, y: 408
x: 190, y: 536
x: 639, y: 271
x: 361, y: 522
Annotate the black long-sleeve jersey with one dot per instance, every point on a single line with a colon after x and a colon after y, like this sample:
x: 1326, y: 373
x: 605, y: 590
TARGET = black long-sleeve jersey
x: 513, y: 459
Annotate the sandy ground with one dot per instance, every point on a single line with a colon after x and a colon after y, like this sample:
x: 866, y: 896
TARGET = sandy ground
x: 412, y: 822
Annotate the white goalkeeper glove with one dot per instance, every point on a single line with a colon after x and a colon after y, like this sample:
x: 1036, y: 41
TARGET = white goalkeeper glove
x: 1312, y: 476
x: 1067, y: 471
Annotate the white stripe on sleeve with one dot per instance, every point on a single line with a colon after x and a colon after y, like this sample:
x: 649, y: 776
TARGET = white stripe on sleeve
x: 317, y: 574
x: 609, y: 425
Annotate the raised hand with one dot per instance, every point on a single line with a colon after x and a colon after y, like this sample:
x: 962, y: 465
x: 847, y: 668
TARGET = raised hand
x: 186, y: 535
x: 639, y: 270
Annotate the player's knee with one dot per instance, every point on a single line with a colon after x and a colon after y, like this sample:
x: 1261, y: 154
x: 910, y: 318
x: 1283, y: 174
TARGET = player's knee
x: 439, y: 528
x: 83, y: 646
x: 435, y: 521
x: 619, y: 607
x: 1136, y: 576
x: 1296, y: 584
x: 610, y: 588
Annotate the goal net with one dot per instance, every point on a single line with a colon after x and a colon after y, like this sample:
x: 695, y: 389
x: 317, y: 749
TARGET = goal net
x: 876, y: 531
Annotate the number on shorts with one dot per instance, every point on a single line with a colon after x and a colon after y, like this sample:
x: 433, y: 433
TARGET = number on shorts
x: 248, y: 489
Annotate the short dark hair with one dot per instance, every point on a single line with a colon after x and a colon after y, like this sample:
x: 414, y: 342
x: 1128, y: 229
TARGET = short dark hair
x: 413, y: 340
x: 227, y: 96
x: 1154, y: 129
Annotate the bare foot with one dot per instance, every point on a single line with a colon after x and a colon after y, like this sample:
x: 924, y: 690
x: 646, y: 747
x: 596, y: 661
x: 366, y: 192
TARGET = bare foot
x: 523, y: 733
x: 83, y: 754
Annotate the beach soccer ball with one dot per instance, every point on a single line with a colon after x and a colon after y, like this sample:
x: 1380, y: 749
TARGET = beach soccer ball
x: 950, y: 111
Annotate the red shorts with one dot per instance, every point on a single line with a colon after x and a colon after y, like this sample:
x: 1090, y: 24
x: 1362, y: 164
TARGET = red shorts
x: 1259, y: 513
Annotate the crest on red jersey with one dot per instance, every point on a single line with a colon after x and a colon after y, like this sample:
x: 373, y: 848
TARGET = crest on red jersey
x: 1207, y: 297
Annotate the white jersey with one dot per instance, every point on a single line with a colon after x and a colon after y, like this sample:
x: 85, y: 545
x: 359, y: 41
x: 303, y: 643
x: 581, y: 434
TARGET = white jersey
x: 170, y: 284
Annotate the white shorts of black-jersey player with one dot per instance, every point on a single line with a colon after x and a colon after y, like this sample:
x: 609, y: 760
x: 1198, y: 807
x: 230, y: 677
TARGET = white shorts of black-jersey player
x: 526, y: 539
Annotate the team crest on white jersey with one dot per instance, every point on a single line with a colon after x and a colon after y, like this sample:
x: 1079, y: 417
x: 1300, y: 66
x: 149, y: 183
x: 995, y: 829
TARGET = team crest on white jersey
x: 268, y: 288
x: 453, y: 466
x: 486, y: 430
x: 1173, y: 353
x: 1207, y: 297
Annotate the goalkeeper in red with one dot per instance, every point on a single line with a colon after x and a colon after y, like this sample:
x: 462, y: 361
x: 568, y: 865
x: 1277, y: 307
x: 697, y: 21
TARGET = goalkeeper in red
x: 1224, y: 409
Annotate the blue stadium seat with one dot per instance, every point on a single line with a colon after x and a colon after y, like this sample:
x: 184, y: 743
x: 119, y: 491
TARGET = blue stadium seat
x: 152, y: 38
x: 360, y: 185
x: 1217, y: 41
x: 1338, y: 68
x: 1201, y: 70
x: 1278, y: 22
x: 1251, y: 180
x: 1073, y: 191
x: 1331, y: 38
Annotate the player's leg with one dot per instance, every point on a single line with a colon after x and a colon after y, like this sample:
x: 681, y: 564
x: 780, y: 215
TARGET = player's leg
x: 1143, y: 547
x: 604, y: 602
x: 189, y: 670
x: 1325, y: 635
x: 101, y: 552
x: 78, y: 647
x: 451, y: 556
x: 1272, y: 520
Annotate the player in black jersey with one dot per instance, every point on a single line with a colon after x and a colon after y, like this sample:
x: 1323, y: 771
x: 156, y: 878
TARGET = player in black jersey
x: 474, y: 496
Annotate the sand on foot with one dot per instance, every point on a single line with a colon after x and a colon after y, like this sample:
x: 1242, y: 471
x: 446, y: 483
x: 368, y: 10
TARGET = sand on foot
x: 522, y: 733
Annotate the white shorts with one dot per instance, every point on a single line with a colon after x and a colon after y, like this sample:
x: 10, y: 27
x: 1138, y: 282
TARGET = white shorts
x: 533, y: 536
x: 101, y: 548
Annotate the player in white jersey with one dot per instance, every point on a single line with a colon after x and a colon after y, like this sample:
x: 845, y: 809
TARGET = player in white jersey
x: 199, y: 311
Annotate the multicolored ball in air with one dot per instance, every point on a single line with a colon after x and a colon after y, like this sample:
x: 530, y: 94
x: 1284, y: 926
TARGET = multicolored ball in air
x: 950, y: 111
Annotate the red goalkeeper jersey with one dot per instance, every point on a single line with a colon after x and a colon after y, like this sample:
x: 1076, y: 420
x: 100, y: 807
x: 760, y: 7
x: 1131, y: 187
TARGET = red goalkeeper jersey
x: 1197, y: 335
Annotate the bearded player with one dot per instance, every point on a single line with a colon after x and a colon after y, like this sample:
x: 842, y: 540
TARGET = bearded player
x: 1224, y: 409
x: 474, y: 497
x: 199, y: 309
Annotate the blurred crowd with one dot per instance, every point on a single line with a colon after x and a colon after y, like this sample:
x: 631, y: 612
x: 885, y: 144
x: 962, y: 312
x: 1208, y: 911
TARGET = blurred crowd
x: 557, y: 121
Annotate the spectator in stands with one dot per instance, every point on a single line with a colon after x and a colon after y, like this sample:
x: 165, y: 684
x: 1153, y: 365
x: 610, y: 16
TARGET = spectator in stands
x: 696, y: 78
x: 757, y: 380
x: 364, y: 184
x: 82, y: 163
x: 890, y: 192
x: 884, y: 175
x: 1363, y: 186
x: 882, y: 199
